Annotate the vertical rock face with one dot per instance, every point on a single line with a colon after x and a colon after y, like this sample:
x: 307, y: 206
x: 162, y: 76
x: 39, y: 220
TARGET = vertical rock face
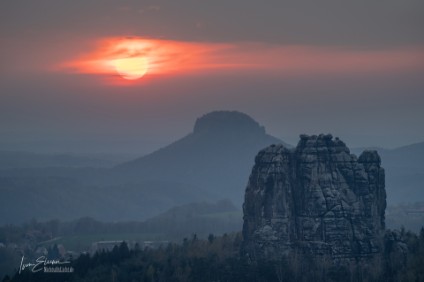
x: 317, y: 199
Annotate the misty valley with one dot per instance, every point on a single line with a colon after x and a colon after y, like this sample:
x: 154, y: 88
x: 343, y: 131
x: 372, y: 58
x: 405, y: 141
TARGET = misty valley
x: 184, y: 202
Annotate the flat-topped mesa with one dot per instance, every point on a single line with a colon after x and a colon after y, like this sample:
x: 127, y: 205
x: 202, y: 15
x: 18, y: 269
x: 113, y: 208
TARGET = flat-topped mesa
x: 317, y: 198
x: 227, y: 121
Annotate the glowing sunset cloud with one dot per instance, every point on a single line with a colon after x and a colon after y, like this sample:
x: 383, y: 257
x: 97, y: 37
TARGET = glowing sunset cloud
x: 133, y: 58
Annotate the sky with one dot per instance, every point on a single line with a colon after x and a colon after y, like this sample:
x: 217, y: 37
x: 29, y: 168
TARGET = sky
x: 351, y: 68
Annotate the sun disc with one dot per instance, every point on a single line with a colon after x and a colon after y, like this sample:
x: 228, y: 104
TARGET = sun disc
x: 131, y: 68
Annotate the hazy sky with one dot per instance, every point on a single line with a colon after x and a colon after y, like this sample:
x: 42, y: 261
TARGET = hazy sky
x: 351, y: 68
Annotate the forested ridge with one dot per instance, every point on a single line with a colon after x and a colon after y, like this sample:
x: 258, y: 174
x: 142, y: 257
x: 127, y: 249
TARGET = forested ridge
x: 218, y: 259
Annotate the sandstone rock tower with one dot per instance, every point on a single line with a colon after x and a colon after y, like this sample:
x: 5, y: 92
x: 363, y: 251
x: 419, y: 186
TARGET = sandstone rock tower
x: 317, y: 199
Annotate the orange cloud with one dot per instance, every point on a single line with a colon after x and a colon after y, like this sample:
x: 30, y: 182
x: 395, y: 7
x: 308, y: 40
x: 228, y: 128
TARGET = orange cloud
x: 163, y: 56
x: 178, y: 57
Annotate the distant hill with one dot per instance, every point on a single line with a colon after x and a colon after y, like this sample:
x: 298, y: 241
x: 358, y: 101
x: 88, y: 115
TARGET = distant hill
x: 199, y: 218
x: 404, y: 168
x: 209, y: 164
x: 217, y: 156
x: 45, y: 198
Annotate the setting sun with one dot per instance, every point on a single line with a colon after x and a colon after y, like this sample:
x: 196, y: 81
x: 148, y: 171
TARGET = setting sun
x: 134, y: 57
x: 131, y: 68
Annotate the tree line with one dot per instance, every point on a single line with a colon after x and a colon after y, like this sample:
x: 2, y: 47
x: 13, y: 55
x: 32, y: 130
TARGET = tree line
x: 219, y: 259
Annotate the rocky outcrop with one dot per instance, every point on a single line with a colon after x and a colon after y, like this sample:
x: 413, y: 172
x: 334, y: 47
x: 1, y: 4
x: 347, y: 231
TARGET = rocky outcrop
x: 317, y: 199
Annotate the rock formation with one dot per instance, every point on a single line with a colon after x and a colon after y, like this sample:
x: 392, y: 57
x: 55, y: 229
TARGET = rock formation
x: 317, y: 199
